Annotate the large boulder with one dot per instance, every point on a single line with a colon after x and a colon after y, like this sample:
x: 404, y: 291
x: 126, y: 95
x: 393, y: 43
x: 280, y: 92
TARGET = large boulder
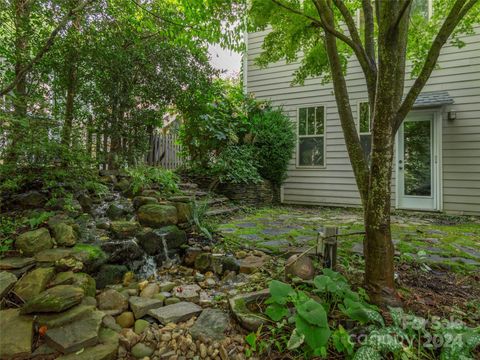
x: 55, y: 299
x: 16, y: 334
x: 76, y: 335
x: 151, y: 239
x: 143, y: 200
x: 92, y: 256
x: 30, y: 200
x: 64, y: 234
x: 7, y: 280
x: 34, y: 241
x: 112, y: 302
x: 33, y: 283
x: 110, y: 274
x: 121, y: 252
x: 156, y: 216
x: 118, y: 211
x: 124, y: 229
x: 211, y: 324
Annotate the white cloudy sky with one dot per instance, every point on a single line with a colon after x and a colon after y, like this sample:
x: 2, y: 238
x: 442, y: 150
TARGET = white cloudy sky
x: 225, y: 60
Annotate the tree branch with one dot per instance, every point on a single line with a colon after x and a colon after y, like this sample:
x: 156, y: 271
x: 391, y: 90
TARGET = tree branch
x: 45, y: 48
x: 402, y: 12
x: 457, y: 13
x: 369, y: 29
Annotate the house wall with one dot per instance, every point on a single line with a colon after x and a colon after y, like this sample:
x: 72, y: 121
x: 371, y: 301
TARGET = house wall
x: 458, y: 73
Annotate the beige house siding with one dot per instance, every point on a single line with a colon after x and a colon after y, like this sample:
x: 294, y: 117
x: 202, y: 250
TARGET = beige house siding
x: 458, y: 73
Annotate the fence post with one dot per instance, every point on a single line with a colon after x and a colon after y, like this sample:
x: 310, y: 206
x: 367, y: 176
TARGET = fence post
x: 330, y: 247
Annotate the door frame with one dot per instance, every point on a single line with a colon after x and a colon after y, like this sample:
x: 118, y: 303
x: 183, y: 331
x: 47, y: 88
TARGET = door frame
x: 437, y: 181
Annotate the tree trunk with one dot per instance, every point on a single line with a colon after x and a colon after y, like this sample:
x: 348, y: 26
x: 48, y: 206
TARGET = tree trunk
x: 22, y: 27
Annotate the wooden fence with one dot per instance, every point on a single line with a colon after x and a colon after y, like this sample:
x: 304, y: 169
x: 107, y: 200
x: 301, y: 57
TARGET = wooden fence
x: 164, y: 151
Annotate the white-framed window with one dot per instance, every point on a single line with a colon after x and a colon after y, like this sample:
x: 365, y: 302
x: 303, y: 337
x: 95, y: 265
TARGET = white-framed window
x: 364, y: 123
x: 311, y: 136
x: 423, y: 8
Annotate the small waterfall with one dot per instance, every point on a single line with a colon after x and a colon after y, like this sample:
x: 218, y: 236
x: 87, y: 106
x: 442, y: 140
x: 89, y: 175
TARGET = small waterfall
x: 149, y: 267
x: 165, y: 248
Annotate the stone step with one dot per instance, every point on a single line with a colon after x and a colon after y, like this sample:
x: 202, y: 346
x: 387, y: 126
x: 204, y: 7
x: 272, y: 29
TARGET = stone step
x: 214, y: 201
x: 222, y: 211
x: 187, y: 185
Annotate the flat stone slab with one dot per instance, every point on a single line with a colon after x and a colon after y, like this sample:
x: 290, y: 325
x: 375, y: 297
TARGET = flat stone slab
x: 187, y: 292
x: 76, y: 335
x: 52, y: 255
x: 251, y: 264
x: 211, y: 324
x: 66, y: 317
x: 11, y: 263
x: 55, y: 299
x: 33, y: 283
x: 7, y: 280
x: 175, y: 313
x: 276, y: 231
x: 140, y: 306
x: 246, y: 225
x: 251, y: 237
x: 277, y: 243
x: 16, y: 334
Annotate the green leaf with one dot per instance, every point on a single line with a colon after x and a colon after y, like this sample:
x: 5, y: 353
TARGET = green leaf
x: 367, y: 353
x: 315, y: 336
x: 280, y: 292
x: 276, y: 311
x: 251, y: 340
x: 296, y: 339
x: 313, y: 312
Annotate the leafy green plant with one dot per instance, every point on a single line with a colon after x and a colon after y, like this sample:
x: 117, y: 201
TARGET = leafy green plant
x: 237, y: 165
x: 8, y: 227
x: 199, y: 219
x: 144, y: 177
x: 39, y: 218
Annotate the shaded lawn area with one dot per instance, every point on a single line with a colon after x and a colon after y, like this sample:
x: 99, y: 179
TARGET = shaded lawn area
x: 437, y: 256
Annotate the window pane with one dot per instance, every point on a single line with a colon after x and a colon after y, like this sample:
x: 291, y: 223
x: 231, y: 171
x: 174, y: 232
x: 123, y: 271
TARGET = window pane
x: 364, y: 118
x: 302, y: 121
x: 311, y: 151
x: 420, y: 8
x: 320, y: 117
x: 417, y: 158
x: 366, y: 141
x: 311, y: 121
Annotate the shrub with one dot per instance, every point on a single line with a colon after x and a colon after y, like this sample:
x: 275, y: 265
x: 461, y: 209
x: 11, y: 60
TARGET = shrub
x: 146, y: 176
x: 237, y: 165
x: 274, y: 141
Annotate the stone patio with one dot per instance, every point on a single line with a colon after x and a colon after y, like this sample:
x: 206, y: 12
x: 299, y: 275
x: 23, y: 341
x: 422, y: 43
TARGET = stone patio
x: 429, y: 238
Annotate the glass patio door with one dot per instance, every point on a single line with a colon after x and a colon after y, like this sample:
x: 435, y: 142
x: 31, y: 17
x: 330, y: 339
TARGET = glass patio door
x: 417, y: 162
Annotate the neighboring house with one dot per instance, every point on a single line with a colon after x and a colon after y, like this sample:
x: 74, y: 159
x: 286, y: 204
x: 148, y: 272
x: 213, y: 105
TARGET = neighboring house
x: 437, y: 166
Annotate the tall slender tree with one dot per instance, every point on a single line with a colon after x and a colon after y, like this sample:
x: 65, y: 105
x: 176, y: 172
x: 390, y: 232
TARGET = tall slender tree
x: 327, y: 34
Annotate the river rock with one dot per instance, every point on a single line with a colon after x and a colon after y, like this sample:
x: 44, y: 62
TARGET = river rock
x: 187, y: 292
x: 125, y: 319
x: 7, y: 280
x: 64, y: 234
x: 252, y: 264
x: 33, y: 283
x: 175, y: 313
x: 112, y: 302
x: 55, y: 299
x: 143, y: 200
x: 140, y: 326
x: 110, y: 274
x: 16, y: 334
x: 166, y: 286
x: 79, y: 334
x: 150, y: 290
x: 300, y: 266
x: 124, y: 229
x: 156, y: 216
x: 211, y: 324
x: 141, y: 351
x: 31, y: 242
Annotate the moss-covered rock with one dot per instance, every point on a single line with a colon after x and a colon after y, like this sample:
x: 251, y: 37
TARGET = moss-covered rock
x: 34, y: 241
x: 55, y: 299
x: 110, y: 274
x: 33, y: 283
x: 156, y: 216
x: 82, y: 280
x: 91, y: 256
x: 64, y: 234
x: 124, y: 229
x: 184, y: 212
x: 151, y: 239
x: 143, y: 200
x: 203, y: 262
